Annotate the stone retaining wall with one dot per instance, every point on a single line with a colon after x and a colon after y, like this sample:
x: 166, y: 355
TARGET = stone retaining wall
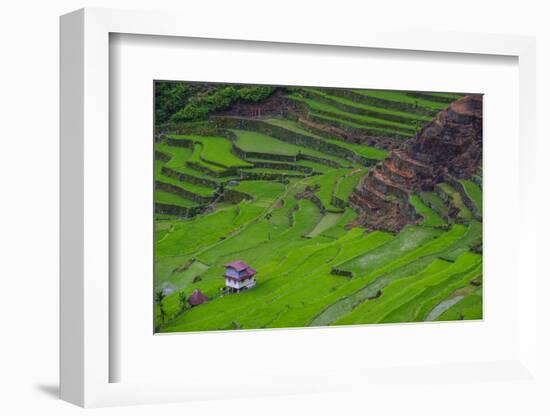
x: 183, y: 177
x: 399, y: 130
x: 186, y: 212
x: 430, y: 205
x: 257, y: 176
x: 380, y: 102
x: 357, y: 110
x: 163, y: 157
x: 292, y: 137
x: 355, y: 130
x: 463, y: 194
x: 258, y: 155
x: 184, y: 193
x: 430, y: 97
x: 234, y: 197
x: 284, y: 166
x: 339, y: 203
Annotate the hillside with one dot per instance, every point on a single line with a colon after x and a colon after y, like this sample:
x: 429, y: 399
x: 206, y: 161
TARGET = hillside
x: 447, y: 149
x: 354, y: 206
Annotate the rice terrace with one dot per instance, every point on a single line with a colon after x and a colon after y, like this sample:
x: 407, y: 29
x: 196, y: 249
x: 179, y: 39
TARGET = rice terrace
x: 280, y: 207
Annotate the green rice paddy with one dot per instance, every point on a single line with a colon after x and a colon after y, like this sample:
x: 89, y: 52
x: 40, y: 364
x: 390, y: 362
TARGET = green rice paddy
x: 296, y: 227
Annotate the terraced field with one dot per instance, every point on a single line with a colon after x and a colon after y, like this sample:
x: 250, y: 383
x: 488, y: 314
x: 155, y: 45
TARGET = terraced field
x: 272, y: 188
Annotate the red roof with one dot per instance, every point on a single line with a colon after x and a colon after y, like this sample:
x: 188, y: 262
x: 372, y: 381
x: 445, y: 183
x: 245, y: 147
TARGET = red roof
x: 197, y: 297
x: 237, y: 265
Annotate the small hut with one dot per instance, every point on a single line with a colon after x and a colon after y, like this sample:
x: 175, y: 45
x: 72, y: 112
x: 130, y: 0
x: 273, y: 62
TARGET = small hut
x: 239, y: 276
x: 197, y: 297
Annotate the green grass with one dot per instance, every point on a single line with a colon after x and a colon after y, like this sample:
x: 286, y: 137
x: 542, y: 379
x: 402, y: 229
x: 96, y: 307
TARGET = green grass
x: 470, y: 307
x: 435, y: 201
x: 474, y: 193
x: 405, y: 300
x: 191, y: 187
x: 422, y: 273
x: 361, y: 106
x: 407, y: 241
x: 251, y: 141
x: 168, y: 198
x: 402, y: 97
x: 328, y: 221
x: 347, y: 183
x: 214, y: 150
x: 178, y: 161
x: 363, y: 120
x: 429, y: 217
x: 456, y: 200
x: 327, y: 184
x: 449, y: 95
x: 287, y: 172
x: 363, y: 150
x: 196, y: 158
x: 383, y: 131
x: 263, y: 192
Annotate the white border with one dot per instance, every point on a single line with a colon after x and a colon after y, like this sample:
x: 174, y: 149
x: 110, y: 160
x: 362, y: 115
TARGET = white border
x: 85, y: 203
x: 137, y: 60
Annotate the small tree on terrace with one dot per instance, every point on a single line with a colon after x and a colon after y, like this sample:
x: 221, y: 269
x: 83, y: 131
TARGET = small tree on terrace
x: 159, y: 297
x: 182, y: 300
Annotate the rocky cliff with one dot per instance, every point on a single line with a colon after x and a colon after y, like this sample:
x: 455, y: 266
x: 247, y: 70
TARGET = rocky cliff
x: 450, y: 145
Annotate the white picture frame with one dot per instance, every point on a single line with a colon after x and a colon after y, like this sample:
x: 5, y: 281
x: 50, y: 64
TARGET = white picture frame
x: 85, y: 212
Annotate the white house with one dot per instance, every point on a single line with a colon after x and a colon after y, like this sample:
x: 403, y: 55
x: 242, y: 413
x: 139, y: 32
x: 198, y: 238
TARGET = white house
x: 239, y: 276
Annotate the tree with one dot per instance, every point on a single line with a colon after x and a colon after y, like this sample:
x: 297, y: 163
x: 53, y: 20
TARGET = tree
x: 182, y: 300
x: 159, y: 297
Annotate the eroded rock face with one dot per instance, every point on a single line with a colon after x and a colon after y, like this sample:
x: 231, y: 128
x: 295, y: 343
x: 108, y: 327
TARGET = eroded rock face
x: 450, y: 145
x: 276, y: 105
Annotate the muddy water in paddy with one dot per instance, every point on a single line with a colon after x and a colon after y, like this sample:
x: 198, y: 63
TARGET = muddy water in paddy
x: 442, y: 307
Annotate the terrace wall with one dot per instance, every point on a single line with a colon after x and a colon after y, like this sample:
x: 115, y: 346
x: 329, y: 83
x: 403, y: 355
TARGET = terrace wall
x: 355, y: 130
x: 357, y: 110
x: 264, y: 176
x: 339, y: 203
x: 285, y: 166
x: 290, y: 137
x: 184, y: 193
x: 463, y: 194
x: 430, y: 97
x: 197, y: 180
x: 380, y: 102
x: 186, y: 212
x: 333, y: 132
x: 234, y: 197
x: 258, y: 155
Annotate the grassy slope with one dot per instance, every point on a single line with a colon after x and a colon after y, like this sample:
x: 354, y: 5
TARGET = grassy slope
x: 214, y: 150
x: 295, y: 283
x: 456, y: 200
x: 346, y: 183
x: 357, y: 118
x: 363, y: 150
x: 327, y: 184
x: 474, y: 193
x: 251, y: 141
x: 400, y: 96
x: 430, y: 218
x: 172, y: 199
x: 366, y: 107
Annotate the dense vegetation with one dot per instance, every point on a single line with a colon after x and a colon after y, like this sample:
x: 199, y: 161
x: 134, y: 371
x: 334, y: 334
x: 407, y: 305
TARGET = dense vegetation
x: 179, y: 101
x: 278, y: 200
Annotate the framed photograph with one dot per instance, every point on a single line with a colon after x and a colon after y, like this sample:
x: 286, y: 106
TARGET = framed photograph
x: 280, y: 213
x: 286, y: 206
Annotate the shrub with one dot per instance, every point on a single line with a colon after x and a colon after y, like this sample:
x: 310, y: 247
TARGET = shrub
x: 218, y: 99
x: 255, y: 94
